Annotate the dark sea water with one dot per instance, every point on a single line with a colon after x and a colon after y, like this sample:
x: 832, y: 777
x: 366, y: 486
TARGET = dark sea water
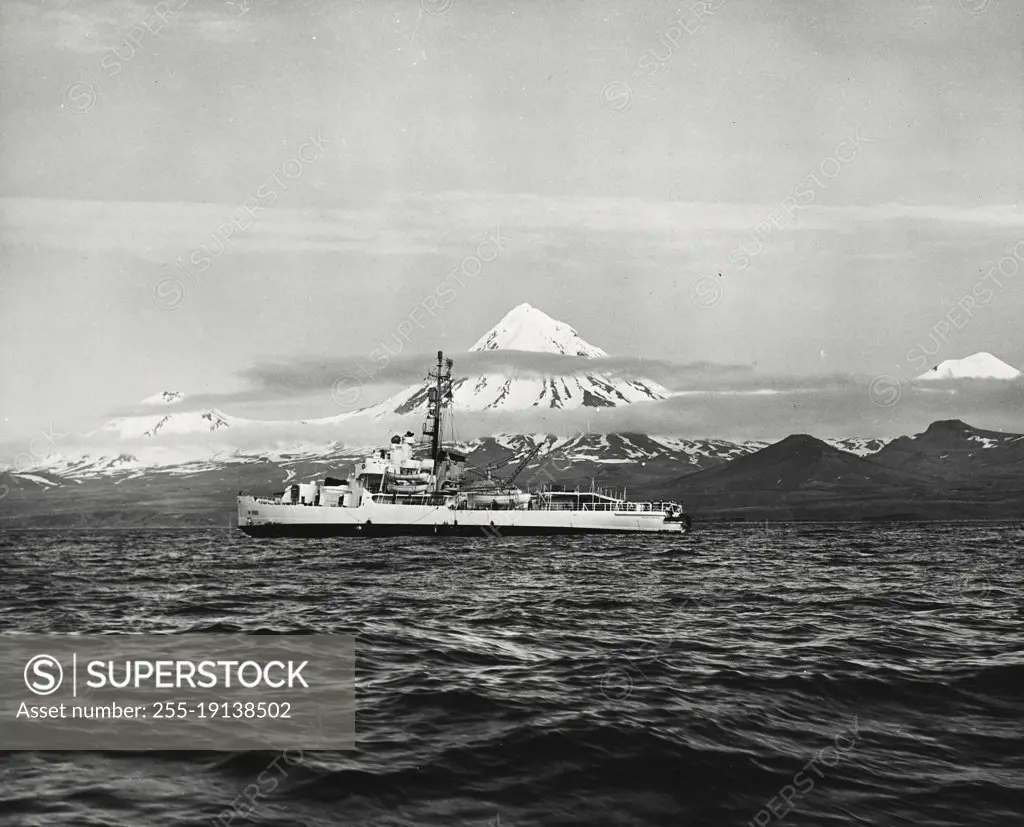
x: 868, y: 674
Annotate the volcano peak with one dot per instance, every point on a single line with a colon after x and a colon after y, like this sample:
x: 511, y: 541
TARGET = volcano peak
x: 527, y: 328
x: 981, y: 365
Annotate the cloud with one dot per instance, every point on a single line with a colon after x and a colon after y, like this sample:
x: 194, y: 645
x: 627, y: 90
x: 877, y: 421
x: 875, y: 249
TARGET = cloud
x: 427, y: 225
x: 741, y: 407
x: 714, y: 399
x: 285, y: 379
x: 93, y: 26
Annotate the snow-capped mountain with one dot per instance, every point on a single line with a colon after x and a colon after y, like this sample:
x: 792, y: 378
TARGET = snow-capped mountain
x: 158, y: 460
x: 164, y: 398
x: 607, y: 449
x: 525, y: 328
x: 497, y: 392
x: 179, y: 422
x: 978, y: 366
x: 614, y: 458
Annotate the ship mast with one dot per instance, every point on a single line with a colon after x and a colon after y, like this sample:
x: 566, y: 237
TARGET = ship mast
x: 437, y: 397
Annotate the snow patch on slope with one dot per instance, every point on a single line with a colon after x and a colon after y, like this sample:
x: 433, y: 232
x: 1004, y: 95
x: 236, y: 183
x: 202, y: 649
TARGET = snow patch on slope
x: 861, y: 446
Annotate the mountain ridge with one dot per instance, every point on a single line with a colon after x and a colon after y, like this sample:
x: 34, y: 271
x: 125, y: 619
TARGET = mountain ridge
x: 951, y: 470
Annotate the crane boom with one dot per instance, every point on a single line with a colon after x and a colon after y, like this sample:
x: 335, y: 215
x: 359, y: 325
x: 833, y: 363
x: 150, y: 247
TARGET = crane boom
x: 525, y: 461
x: 485, y: 472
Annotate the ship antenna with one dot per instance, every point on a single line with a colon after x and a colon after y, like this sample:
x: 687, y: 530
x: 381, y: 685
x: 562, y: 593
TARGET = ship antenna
x: 435, y: 436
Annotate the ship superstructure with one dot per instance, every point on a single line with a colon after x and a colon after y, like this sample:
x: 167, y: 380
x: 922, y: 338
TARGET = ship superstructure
x: 398, y: 490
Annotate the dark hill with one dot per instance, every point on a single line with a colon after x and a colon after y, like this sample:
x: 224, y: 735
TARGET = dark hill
x: 956, y: 452
x: 798, y: 462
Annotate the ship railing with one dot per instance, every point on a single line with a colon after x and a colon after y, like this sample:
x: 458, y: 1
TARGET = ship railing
x: 397, y: 498
x: 619, y: 507
x: 658, y: 506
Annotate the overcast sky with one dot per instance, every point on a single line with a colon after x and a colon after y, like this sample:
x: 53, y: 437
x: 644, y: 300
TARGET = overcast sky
x: 852, y: 170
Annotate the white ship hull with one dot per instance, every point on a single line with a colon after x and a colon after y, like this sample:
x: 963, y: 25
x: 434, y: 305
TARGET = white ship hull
x: 266, y: 518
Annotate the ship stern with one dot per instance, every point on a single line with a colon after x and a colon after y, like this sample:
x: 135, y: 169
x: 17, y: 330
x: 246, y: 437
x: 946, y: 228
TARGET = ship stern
x: 246, y: 506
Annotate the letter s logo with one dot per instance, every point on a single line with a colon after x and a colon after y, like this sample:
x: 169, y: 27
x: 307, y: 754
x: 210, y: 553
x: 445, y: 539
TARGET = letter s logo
x: 39, y: 674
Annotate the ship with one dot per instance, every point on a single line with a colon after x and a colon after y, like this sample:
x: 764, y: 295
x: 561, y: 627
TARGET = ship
x: 421, y: 486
